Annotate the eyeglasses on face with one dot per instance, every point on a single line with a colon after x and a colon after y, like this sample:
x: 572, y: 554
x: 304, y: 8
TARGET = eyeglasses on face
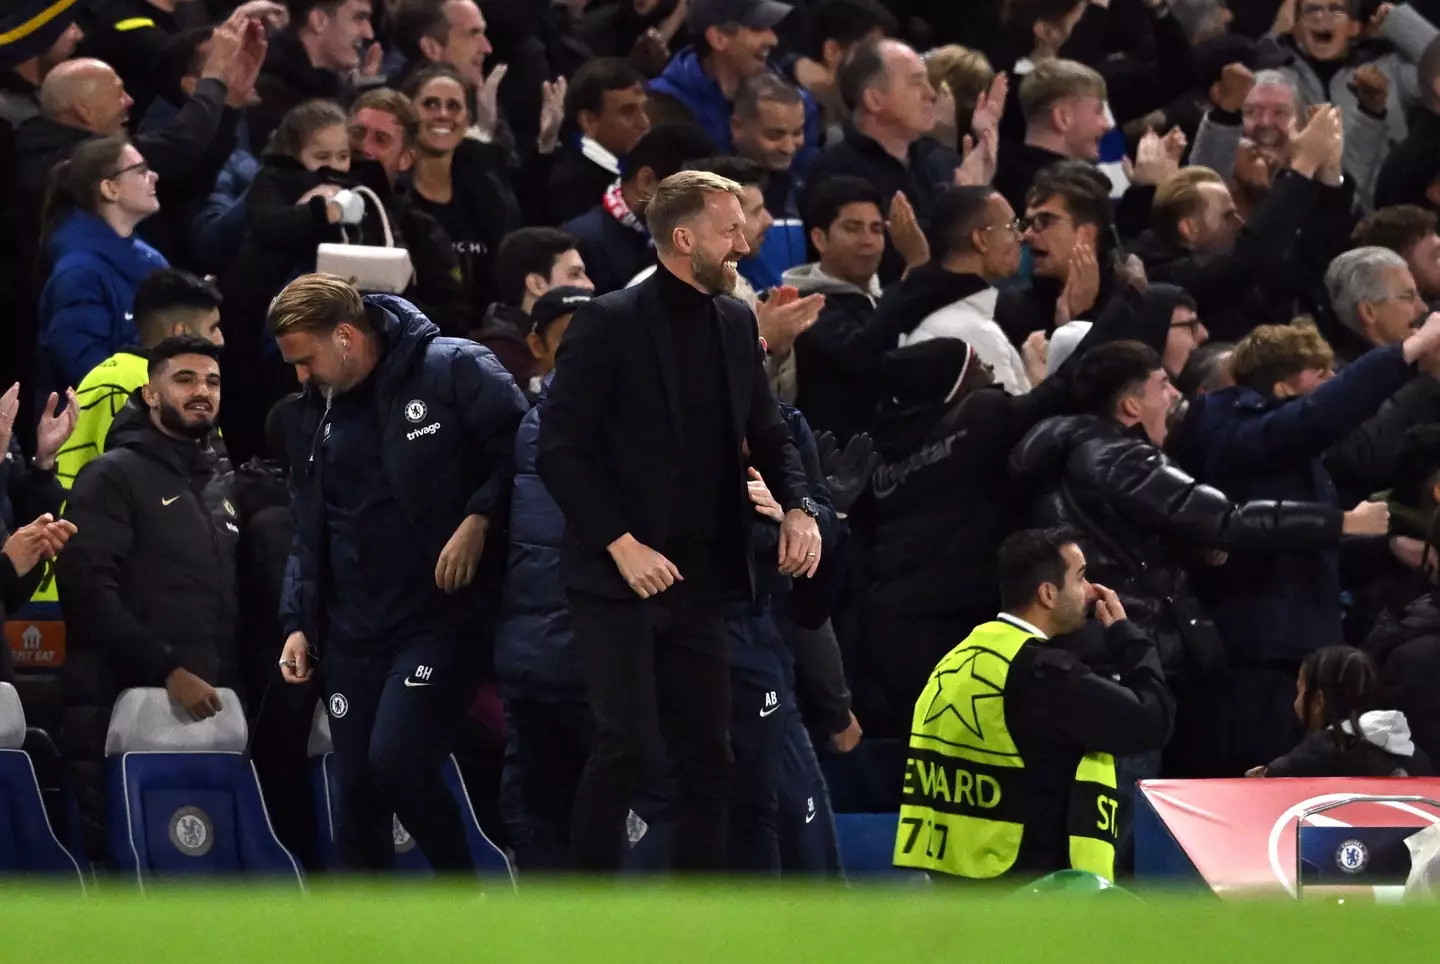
x: 1042, y: 221
x: 1323, y: 11
x: 1017, y: 226
x: 142, y: 168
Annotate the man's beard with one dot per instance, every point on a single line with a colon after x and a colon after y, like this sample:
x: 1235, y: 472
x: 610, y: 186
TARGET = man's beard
x: 174, y: 419
x: 1070, y: 623
x: 712, y: 276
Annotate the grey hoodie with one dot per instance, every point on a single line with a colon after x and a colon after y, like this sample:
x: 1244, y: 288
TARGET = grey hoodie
x: 811, y: 279
x: 1367, y: 139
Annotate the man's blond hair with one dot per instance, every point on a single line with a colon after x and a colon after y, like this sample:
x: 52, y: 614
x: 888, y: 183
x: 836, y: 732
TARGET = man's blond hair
x: 967, y: 72
x: 315, y: 304
x: 1180, y: 198
x: 1053, y: 81
x: 681, y: 197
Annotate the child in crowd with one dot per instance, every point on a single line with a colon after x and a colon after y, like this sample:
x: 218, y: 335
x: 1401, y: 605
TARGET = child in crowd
x: 293, y: 206
x: 1345, y: 736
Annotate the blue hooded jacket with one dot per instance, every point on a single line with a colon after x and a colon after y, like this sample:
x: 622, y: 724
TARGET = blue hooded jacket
x: 85, y: 307
x: 685, y: 80
x: 447, y: 411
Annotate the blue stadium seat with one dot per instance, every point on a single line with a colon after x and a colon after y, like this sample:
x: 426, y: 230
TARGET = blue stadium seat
x: 489, y: 859
x: 183, y: 797
x: 28, y: 844
x: 319, y: 750
x: 867, y: 844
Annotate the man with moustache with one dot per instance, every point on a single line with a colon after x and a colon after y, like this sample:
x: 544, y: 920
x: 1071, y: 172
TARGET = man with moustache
x: 658, y: 391
x: 148, y: 581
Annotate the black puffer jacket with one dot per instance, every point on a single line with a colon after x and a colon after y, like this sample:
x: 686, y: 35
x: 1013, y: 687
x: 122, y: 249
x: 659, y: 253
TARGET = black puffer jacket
x: 148, y: 581
x: 1142, y: 518
x: 147, y: 585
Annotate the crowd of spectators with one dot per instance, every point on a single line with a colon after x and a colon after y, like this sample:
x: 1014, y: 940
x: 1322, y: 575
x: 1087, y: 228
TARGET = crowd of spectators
x: 1160, y: 271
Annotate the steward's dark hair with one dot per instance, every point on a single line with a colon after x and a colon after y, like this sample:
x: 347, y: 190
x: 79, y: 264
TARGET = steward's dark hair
x: 1030, y: 558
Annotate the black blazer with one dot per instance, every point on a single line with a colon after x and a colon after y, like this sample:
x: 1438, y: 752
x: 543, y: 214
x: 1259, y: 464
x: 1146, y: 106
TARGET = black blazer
x: 610, y: 433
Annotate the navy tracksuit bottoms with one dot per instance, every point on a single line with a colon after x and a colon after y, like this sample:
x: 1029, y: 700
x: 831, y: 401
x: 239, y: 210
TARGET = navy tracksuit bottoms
x: 393, y: 718
x: 780, y: 819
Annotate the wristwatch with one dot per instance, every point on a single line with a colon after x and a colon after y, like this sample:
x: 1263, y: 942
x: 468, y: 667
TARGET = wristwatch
x: 809, y: 507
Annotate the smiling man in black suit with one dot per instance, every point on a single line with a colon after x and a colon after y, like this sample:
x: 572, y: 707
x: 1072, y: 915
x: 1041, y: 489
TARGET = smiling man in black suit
x: 658, y: 390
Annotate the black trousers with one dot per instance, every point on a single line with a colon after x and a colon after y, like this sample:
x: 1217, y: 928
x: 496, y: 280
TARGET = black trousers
x: 658, y: 679
x: 393, y: 718
x: 549, y: 746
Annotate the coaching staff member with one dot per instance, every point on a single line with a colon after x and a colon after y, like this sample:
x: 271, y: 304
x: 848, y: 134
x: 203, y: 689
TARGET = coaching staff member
x: 657, y: 390
x: 401, y: 451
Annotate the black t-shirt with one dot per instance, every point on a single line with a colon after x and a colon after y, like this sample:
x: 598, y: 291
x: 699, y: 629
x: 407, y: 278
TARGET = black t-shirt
x: 472, y: 249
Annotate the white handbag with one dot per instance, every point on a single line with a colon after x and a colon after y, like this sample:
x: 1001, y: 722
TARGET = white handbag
x: 368, y: 267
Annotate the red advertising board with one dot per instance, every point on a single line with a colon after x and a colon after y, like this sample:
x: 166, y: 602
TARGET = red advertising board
x: 1240, y: 834
x: 36, y: 644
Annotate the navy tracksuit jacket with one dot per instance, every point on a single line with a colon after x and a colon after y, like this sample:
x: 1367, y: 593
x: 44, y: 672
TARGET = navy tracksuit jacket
x: 383, y: 476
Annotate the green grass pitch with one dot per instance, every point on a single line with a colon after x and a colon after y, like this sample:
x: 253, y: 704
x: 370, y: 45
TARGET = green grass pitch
x: 730, y: 922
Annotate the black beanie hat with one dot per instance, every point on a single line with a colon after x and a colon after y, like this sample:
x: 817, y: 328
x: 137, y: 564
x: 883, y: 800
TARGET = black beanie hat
x: 32, y: 27
x: 927, y: 373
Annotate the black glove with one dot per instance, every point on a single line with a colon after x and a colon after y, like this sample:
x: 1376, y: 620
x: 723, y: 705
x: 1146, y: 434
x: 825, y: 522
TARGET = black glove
x: 848, y: 472
x: 826, y: 451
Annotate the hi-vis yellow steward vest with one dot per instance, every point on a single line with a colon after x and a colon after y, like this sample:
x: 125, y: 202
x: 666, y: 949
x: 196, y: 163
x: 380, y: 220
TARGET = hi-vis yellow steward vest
x: 966, y: 798
x: 101, y: 394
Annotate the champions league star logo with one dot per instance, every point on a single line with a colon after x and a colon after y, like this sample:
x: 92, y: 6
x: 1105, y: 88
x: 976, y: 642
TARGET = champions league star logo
x: 967, y: 711
x: 1352, y: 857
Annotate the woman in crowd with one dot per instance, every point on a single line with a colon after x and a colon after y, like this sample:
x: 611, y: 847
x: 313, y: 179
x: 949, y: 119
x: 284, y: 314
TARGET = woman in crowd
x: 95, y: 201
x: 455, y: 180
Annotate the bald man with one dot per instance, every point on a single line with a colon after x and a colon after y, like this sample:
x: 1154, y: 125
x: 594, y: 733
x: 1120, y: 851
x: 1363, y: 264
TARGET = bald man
x: 86, y: 95
x: 86, y: 98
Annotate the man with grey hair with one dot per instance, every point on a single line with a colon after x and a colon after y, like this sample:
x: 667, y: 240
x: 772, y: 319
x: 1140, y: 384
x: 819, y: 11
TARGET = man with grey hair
x: 1261, y: 124
x: 1373, y: 96
x: 655, y: 390
x: 1374, y: 295
x: 886, y: 87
